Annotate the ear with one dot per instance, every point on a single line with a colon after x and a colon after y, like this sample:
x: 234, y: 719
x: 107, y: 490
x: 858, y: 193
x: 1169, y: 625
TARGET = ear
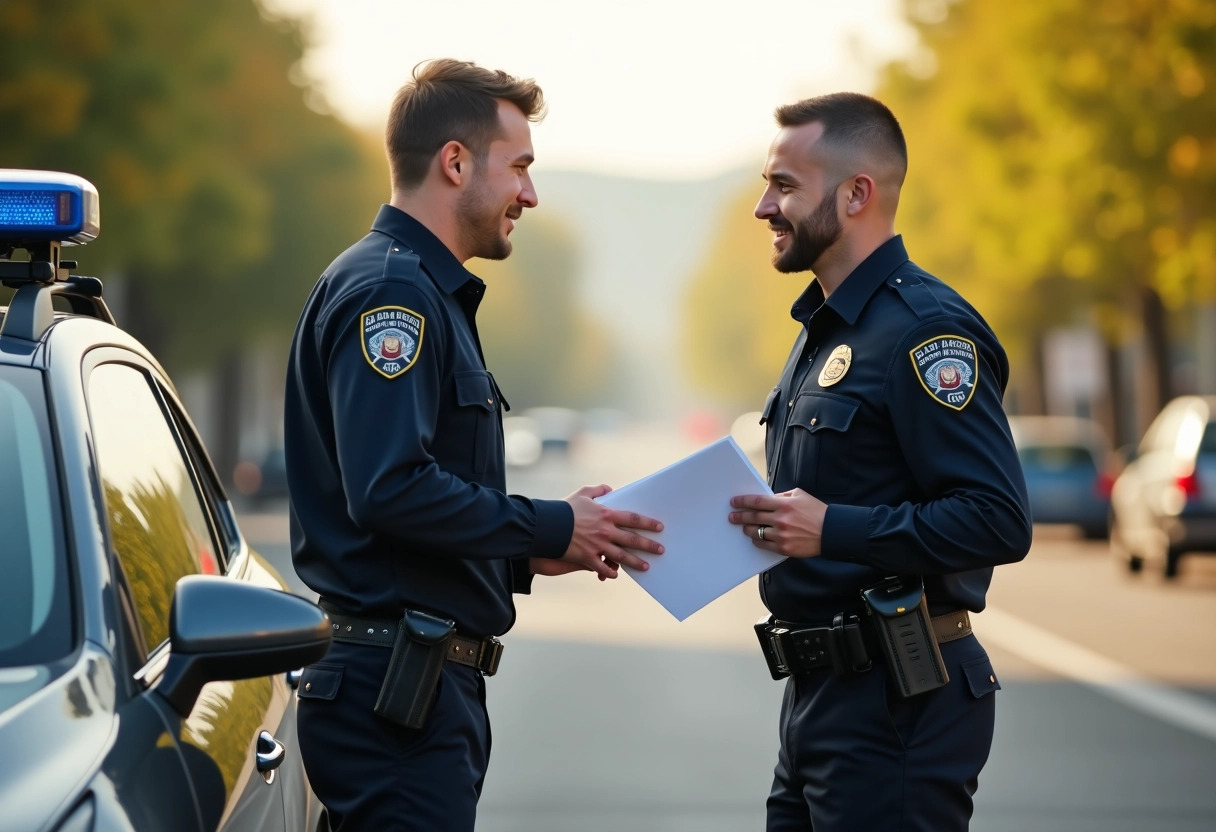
x: 454, y: 162
x: 861, y: 194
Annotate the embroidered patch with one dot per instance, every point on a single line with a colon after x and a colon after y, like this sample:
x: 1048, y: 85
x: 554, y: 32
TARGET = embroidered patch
x: 946, y: 366
x: 392, y: 338
x: 838, y: 364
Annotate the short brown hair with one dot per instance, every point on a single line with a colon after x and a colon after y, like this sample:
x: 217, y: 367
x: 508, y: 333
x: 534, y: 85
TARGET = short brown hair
x: 851, y: 120
x: 450, y: 100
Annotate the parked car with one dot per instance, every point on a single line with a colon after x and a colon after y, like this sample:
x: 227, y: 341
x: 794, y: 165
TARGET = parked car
x: 147, y: 655
x: 1164, y: 501
x: 1066, y: 464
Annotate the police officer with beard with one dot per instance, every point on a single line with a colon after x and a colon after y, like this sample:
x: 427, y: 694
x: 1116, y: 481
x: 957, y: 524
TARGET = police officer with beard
x: 393, y: 432
x: 895, y: 475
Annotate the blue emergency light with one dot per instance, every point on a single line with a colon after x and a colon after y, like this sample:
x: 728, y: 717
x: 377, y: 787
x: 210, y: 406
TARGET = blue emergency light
x: 39, y: 205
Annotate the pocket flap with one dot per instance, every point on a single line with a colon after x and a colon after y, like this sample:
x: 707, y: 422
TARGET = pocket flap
x: 474, y: 389
x: 817, y: 412
x: 426, y: 628
x: 896, y: 597
x: 980, y: 676
x: 770, y: 406
x: 320, y: 681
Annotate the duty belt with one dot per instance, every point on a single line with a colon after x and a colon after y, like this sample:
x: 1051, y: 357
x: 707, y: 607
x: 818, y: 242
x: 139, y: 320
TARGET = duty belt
x: 845, y: 646
x: 480, y: 654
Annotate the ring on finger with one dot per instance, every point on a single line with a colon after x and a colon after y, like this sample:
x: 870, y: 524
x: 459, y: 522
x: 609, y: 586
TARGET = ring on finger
x: 760, y: 532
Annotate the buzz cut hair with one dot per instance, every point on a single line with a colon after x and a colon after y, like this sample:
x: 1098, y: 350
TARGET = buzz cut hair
x: 450, y: 100
x: 852, y: 121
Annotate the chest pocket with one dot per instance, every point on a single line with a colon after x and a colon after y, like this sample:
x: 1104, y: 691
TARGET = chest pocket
x: 818, y: 437
x: 479, y: 408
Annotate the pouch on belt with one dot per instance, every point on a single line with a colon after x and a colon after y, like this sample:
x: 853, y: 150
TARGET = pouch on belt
x: 413, y: 672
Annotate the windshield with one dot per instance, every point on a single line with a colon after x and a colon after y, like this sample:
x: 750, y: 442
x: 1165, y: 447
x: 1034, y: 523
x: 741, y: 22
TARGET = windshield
x: 35, y: 614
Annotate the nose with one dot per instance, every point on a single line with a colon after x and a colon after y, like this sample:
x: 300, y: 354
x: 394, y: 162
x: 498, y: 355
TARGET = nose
x: 527, y: 195
x: 766, y: 208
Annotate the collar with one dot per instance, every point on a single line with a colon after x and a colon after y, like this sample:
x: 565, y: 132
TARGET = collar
x: 442, y: 265
x: 855, y: 290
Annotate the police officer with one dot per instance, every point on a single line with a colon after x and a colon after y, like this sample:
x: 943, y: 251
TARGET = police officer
x: 394, y: 446
x: 890, y: 455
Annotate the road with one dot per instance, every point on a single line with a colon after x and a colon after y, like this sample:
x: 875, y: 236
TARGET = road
x: 610, y: 715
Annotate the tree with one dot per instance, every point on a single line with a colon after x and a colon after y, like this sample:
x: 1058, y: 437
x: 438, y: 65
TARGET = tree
x: 223, y: 191
x: 1063, y: 162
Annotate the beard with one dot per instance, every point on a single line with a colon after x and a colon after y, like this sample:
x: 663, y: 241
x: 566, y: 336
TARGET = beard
x: 481, y: 223
x: 810, y: 238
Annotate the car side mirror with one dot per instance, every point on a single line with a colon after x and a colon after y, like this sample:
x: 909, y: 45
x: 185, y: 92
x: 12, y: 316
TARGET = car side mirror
x: 221, y: 629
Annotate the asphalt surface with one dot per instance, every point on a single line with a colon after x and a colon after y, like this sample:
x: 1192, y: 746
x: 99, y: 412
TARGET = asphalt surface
x: 609, y: 715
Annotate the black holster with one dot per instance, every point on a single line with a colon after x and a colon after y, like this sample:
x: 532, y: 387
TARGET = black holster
x: 413, y: 672
x: 900, y: 614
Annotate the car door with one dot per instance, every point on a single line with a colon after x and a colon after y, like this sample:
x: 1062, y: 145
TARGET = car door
x: 162, y: 526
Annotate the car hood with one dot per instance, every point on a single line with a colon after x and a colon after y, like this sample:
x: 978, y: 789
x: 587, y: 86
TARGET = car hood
x: 55, y: 727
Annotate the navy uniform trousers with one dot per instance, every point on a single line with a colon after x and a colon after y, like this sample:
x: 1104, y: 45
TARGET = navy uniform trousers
x: 858, y: 757
x: 373, y: 774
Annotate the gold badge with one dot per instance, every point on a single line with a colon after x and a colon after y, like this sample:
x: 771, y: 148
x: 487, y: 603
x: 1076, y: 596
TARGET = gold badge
x: 837, y: 366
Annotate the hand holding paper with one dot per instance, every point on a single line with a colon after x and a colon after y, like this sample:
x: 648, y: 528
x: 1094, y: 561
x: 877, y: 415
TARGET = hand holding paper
x: 792, y: 522
x: 706, y: 556
x: 603, y: 538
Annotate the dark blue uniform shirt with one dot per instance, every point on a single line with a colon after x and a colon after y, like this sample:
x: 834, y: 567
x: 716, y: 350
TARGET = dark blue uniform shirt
x: 393, y: 436
x: 889, y: 410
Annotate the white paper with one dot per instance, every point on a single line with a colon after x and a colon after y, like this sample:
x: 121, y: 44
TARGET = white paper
x: 704, y: 555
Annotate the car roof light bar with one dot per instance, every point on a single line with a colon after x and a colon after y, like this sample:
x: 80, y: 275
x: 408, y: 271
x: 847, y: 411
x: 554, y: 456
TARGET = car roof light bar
x: 41, y: 211
x: 43, y: 206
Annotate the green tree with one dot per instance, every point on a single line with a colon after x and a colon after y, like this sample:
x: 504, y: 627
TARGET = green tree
x: 1063, y: 159
x: 224, y: 191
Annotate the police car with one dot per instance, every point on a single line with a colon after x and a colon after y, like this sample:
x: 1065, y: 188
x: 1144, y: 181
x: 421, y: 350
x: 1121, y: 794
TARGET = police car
x: 147, y: 655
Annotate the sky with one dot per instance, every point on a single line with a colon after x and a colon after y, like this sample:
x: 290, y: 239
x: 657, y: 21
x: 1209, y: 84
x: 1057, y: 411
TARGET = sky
x: 661, y: 89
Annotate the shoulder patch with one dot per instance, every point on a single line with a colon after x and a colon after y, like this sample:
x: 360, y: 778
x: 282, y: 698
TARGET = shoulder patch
x: 392, y: 338
x: 947, y: 368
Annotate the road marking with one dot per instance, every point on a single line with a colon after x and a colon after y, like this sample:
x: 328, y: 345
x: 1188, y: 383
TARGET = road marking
x: 1105, y: 676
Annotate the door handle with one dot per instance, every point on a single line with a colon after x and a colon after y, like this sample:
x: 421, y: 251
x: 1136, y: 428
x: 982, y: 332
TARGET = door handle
x: 270, y: 753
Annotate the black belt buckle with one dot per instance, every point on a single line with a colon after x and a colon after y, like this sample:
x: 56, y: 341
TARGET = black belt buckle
x: 770, y: 645
x: 490, y: 656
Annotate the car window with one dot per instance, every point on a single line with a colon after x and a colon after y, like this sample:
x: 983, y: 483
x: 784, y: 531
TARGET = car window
x: 224, y: 524
x: 35, y: 602
x: 1056, y: 457
x: 158, y: 527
